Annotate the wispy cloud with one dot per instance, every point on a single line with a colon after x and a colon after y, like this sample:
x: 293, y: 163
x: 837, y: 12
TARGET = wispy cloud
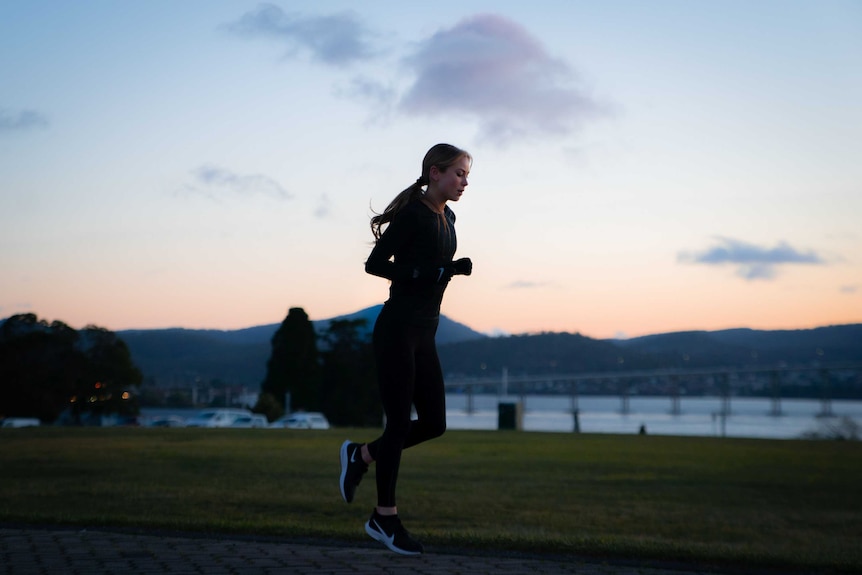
x: 522, y: 284
x: 213, y: 181
x: 849, y: 289
x: 336, y: 39
x: 21, y: 120
x: 753, y: 262
x: 368, y: 89
x: 494, y: 71
x: 323, y: 207
x: 486, y: 69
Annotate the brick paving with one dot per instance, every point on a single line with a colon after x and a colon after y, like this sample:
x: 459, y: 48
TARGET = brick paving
x: 62, y: 551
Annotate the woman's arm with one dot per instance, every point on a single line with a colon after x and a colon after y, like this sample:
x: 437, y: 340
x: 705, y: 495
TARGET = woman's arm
x: 380, y: 263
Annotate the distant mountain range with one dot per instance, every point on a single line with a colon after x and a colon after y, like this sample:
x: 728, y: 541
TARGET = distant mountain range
x: 567, y: 353
x: 176, y: 356
x: 449, y: 331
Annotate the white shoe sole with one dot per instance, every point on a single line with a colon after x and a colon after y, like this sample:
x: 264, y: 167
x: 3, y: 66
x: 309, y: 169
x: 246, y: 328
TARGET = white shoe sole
x: 377, y: 536
x: 343, y: 469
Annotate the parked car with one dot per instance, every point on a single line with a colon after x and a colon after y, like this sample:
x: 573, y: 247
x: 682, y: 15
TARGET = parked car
x: 249, y: 421
x: 302, y: 420
x: 217, y: 417
x: 20, y: 422
x: 167, y: 421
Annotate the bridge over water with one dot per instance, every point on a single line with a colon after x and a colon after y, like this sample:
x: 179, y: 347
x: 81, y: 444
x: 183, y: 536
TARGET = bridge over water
x: 723, y: 382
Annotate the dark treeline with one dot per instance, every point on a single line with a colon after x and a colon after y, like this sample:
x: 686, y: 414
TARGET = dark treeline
x: 50, y: 371
x: 56, y: 374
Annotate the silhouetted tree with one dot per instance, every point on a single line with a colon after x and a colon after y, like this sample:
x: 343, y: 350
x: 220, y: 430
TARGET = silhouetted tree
x: 108, y: 377
x: 269, y: 406
x: 350, y: 395
x: 47, y: 368
x: 293, y: 365
x: 39, y: 367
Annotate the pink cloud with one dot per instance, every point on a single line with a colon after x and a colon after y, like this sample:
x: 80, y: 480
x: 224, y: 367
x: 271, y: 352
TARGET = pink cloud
x: 491, y: 69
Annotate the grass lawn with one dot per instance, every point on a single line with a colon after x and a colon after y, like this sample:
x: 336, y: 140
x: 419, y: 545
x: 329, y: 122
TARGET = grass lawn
x: 770, y: 503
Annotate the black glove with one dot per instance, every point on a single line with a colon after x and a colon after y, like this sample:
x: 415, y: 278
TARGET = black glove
x: 462, y: 267
x: 433, y: 275
x: 442, y: 274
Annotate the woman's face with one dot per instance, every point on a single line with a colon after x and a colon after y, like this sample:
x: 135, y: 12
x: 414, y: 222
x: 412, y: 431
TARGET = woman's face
x: 452, y: 182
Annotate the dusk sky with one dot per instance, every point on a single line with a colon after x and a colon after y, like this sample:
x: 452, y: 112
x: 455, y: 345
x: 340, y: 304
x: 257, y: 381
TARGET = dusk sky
x: 639, y: 167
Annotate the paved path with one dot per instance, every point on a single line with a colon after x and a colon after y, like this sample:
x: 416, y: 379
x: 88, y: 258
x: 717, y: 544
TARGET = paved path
x: 62, y: 551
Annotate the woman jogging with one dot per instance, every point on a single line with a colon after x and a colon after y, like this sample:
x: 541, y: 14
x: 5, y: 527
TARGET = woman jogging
x: 414, y: 252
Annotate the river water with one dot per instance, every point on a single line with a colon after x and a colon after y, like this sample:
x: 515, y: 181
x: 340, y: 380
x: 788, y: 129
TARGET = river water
x: 698, y: 416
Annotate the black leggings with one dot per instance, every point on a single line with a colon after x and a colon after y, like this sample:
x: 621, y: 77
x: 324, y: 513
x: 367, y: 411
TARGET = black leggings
x: 409, y: 375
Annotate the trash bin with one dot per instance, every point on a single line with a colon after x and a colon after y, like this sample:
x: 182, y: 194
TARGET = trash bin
x: 510, y: 415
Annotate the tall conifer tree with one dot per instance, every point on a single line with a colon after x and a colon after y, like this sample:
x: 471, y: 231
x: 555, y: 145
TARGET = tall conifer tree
x: 293, y: 365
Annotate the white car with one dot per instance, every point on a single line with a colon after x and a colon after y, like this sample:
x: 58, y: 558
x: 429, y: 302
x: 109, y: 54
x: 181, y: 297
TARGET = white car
x: 302, y: 420
x: 21, y: 422
x: 166, y: 421
x: 250, y: 421
x: 217, y: 417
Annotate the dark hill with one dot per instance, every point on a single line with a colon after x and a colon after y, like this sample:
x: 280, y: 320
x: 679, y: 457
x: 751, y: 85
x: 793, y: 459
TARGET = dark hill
x: 180, y: 356
x: 748, y: 347
x: 540, y: 353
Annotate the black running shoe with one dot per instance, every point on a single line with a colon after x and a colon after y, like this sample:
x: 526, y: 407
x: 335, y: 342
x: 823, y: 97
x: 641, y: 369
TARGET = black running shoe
x: 388, y: 530
x: 352, y: 469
